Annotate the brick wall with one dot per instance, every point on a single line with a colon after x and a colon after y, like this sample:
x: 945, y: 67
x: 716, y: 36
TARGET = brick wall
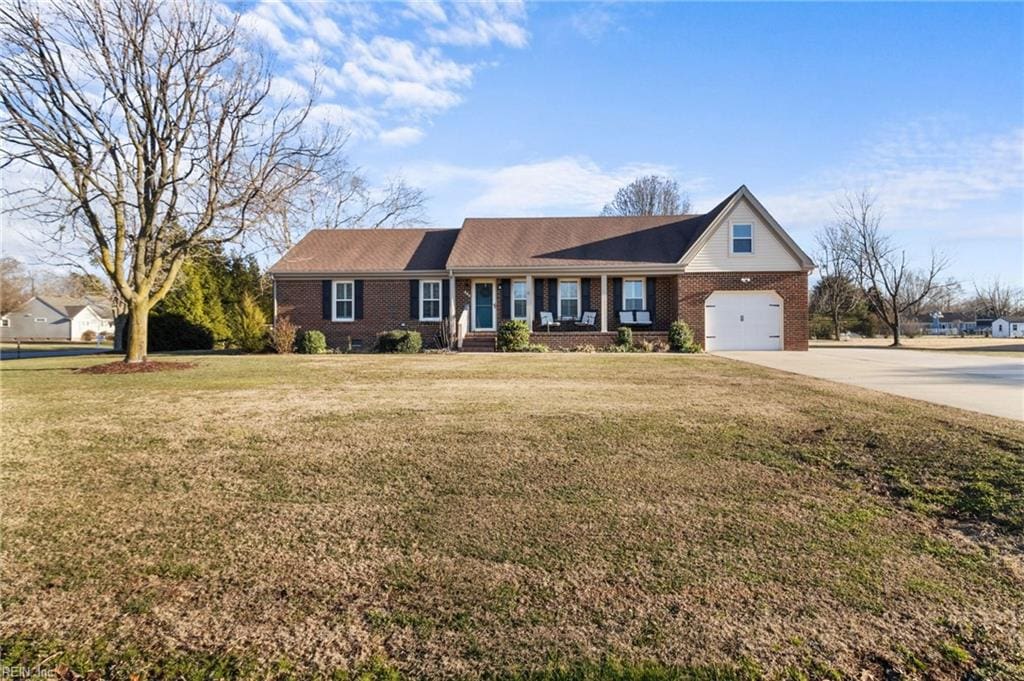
x: 694, y: 287
x: 385, y: 307
x: 567, y: 340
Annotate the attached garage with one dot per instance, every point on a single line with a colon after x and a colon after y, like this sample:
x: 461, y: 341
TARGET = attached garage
x: 743, y: 320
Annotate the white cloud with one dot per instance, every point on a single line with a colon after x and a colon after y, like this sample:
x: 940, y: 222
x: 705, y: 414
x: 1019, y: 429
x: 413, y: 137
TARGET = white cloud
x: 328, y: 31
x: 922, y: 173
x: 592, y: 22
x: 427, y: 9
x: 567, y: 185
x: 345, y: 49
x: 360, y: 124
x: 401, y: 137
x: 481, y: 23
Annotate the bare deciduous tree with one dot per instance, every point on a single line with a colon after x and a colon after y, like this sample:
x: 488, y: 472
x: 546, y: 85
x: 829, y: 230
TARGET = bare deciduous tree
x: 890, y: 285
x: 996, y: 299
x: 836, y: 294
x: 338, y: 197
x: 153, y: 126
x: 649, y: 195
x: 15, y: 285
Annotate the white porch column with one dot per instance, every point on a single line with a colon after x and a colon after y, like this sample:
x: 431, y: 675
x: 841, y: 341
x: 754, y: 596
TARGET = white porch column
x: 604, y: 303
x: 529, y: 301
x: 453, y: 321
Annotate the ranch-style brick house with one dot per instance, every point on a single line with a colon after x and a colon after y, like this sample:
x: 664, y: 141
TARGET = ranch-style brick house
x: 732, y: 274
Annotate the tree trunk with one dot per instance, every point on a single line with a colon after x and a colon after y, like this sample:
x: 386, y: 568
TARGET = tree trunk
x: 138, y: 328
x: 896, y: 330
x: 835, y: 323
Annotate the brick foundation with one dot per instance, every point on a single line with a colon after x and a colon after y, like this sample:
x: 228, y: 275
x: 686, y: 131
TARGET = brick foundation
x: 565, y: 340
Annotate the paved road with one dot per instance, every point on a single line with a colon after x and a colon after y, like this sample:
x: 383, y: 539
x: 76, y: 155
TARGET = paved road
x: 31, y: 354
x: 989, y: 384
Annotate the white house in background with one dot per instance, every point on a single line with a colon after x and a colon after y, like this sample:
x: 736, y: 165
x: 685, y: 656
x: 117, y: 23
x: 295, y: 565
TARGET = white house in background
x: 1008, y: 327
x: 53, y: 318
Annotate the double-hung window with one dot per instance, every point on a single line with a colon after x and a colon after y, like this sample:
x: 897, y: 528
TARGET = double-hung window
x: 40, y: 320
x: 742, y: 238
x: 569, y: 298
x: 430, y: 301
x: 5, y: 322
x: 344, y: 301
x: 519, y: 299
x: 633, y: 294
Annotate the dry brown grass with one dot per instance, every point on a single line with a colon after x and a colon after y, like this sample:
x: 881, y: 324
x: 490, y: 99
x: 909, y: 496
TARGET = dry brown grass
x: 972, y: 344
x: 453, y: 515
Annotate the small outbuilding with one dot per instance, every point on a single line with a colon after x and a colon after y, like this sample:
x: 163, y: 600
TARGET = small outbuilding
x: 1008, y: 327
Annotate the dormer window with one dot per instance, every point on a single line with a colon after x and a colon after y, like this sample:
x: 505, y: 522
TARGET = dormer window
x: 742, y: 238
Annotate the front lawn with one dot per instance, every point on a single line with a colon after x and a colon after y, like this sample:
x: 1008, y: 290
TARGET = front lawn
x: 561, y: 516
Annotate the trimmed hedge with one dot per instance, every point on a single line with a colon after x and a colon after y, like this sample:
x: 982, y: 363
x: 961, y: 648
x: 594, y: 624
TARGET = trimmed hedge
x: 513, y: 336
x: 400, y: 341
x: 680, y: 338
x: 624, y: 337
x: 313, y: 342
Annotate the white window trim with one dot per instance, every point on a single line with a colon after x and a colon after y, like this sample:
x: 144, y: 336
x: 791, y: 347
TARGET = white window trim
x: 440, y: 300
x: 335, y: 299
x: 39, y: 320
x: 525, y: 298
x: 732, y: 238
x: 5, y: 322
x: 643, y: 292
x: 578, y: 298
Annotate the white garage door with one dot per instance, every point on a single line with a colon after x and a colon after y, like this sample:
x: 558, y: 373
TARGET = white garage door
x: 743, y: 320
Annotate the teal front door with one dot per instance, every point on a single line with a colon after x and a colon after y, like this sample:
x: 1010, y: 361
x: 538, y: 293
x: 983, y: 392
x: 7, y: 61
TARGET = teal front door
x: 483, y: 306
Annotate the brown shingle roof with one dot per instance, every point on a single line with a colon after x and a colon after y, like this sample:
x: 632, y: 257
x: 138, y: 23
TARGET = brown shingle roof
x: 368, y: 250
x: 582, y: 241
x: 541, y: 242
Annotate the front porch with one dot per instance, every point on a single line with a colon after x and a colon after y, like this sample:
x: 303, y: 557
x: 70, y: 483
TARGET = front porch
x: 565, y: 305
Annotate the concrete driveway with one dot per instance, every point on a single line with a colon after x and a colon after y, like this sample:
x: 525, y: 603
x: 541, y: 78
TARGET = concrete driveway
x: 989, y: 384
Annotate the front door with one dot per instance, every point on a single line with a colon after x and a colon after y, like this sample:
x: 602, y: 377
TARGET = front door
x: 483, y: 306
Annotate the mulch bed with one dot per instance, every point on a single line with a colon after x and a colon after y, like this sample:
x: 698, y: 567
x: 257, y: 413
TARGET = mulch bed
x: 134, y: 368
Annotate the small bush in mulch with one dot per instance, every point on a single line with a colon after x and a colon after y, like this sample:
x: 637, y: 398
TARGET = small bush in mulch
x: 134, y: 368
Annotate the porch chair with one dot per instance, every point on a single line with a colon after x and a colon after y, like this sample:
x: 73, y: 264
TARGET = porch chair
x: 547, y: 319
x: 643, y: 318
x: 589, y: 318
x: 626, y: 318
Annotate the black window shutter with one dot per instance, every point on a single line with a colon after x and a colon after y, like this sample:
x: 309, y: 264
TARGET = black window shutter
x: 506, y: 298
x: 325, y: 298
x: 414, y: 299
x: 584, y: 295
x: 538, y: 297
x: 651, y: 297
x: 446, y: 299
x: 553, y: 297
x: 358, y: 286
x: 616, y: 294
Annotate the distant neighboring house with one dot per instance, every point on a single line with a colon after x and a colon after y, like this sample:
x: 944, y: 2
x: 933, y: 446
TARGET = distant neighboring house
x: 1008, y: 327
x: 733, y: 274
x: 946, y: 323
x: 54, y: 318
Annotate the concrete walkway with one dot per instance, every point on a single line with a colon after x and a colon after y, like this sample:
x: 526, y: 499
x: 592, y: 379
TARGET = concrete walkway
x: 987, y: 384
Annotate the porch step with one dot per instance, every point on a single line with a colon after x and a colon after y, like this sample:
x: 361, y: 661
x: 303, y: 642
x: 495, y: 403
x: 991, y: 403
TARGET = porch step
x: 478, y: 342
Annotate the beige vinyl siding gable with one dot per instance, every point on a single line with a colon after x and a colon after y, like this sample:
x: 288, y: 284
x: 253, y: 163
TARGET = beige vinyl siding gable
x: 770, y: 253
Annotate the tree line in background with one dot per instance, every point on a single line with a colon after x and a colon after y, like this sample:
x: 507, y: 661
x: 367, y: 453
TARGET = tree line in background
x: 868, y: 284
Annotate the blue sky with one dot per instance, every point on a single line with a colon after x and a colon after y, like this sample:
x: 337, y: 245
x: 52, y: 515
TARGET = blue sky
x: 499, y: 109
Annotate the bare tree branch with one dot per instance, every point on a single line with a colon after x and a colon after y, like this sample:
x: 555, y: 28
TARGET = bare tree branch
x: 649, y: 195
x: 153, y: 124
